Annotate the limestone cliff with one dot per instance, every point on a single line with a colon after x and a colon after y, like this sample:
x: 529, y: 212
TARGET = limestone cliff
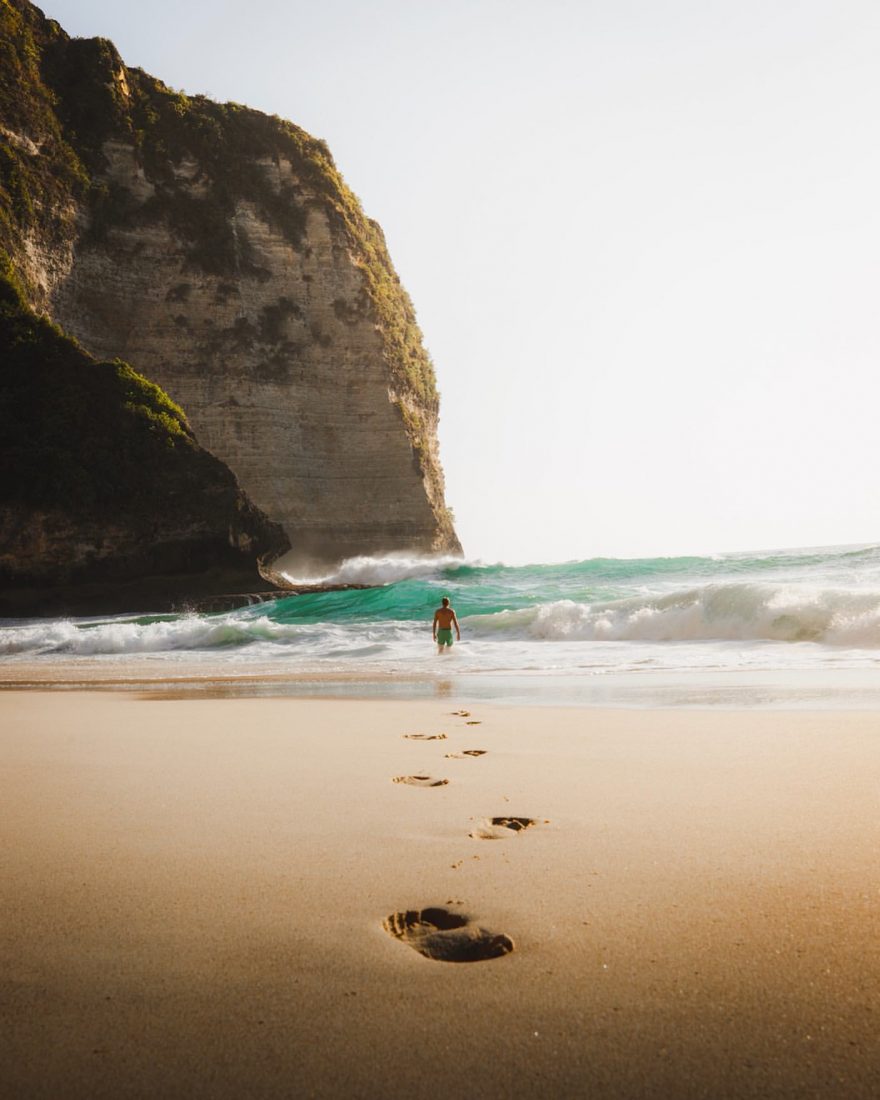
x: 107, y: 501
x: 219, y: 251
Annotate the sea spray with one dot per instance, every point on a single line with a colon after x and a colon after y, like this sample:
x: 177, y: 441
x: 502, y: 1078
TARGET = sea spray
x: 805, y: 607
x: 730, y: 612
x: 378, y: 570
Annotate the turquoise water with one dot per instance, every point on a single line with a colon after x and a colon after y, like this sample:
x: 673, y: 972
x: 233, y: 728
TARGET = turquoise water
x: 485, y: 590
x: 776, y: 609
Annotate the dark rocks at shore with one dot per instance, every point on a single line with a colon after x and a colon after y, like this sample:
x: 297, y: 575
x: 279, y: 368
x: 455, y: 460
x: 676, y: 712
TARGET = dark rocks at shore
x: 233, y: 601
x: 106, y: 496
x: 207, y: 593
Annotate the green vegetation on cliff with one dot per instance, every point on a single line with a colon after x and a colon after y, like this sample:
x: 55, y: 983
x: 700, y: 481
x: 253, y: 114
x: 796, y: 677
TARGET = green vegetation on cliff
x: 98, y: 163
x: 40, y: 173
x: 69, y: 96
x: 100, y: 444
x: 171, y: 128
x: 79, y: 435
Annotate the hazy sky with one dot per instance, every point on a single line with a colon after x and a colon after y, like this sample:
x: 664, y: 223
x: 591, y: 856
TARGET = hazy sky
x: 642, y: 238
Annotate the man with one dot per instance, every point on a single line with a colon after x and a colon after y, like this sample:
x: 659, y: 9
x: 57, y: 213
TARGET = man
x: 444, y: 619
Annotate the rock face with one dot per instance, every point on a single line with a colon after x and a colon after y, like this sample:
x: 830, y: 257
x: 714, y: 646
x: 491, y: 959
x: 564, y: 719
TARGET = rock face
x: 107, y: 501
x: 219, y: 251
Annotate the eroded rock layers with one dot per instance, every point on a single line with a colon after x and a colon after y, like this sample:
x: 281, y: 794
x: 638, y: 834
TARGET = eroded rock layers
x: 107, y: 501
x: 219, y: 251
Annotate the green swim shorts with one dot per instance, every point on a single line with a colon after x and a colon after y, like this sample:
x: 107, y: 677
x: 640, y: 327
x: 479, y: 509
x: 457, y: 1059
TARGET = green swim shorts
x: 444, y: 635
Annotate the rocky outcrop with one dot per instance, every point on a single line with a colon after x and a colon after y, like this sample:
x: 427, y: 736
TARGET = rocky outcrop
x: 219, y: 251
x: 107, y: 502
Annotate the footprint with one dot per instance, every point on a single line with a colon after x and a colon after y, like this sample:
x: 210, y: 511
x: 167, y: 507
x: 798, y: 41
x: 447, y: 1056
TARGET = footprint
x: 497, y: 828
x: 462, y: 713
x: 425, y: 736
x: 473, y: 723
x: 446, y: 937
x: 465, y: 752
x: 420, y: 780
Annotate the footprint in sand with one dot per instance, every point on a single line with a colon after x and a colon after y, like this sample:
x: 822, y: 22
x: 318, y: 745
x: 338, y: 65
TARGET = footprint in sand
x: 498, y: 828
x: 420, y: 780
x: 464, y: 753
x: 425, y: 736
x: 462, y: 713
x: 445, y: 936
x: 473, y: 723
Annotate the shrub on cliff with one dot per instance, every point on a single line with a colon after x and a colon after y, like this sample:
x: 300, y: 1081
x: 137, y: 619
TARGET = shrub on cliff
x: 72, y: 95
x: 98, y: 441
x: 39, y: 170
x: 78, y: 434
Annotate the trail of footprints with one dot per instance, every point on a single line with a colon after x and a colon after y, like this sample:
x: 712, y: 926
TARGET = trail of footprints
x: 439, y: 933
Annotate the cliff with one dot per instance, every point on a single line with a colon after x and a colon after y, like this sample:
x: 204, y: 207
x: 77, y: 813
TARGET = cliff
x: 107, y: 501
x: 219, y: 251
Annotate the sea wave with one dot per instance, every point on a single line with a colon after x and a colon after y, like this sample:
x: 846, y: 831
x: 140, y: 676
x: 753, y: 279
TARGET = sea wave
x: 235, y: 630
x: 382, y: 570
x: 850, y: 564
x: 826, y: 596
x: 723, y: 612
x: 715, y: 612
x: 144, y: 635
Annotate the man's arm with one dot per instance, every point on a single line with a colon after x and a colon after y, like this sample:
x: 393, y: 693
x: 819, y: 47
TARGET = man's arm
x: 434, y: 627
x: 457, y: 631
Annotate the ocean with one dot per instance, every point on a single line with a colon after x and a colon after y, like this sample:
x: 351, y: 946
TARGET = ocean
x: 603, y: 629
x: 774, y: 628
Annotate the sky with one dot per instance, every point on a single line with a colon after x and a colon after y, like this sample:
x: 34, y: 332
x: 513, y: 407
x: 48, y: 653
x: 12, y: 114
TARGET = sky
x: 642, y: 238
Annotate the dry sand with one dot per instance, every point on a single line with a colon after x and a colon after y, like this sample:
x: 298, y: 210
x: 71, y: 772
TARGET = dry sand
x: 195, y: 893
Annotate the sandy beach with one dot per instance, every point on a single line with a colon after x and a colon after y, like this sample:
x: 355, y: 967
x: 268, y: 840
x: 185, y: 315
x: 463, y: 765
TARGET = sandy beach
x: 201, y: 896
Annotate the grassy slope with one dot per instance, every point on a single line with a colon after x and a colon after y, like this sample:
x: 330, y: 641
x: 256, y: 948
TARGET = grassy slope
x: 89, y: 437
x: 100, y: 444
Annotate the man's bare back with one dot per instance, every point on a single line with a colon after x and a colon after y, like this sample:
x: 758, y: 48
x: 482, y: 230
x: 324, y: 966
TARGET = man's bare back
x: 444, y: 620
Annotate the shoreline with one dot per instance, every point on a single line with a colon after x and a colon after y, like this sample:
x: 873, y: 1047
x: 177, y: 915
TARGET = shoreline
x: 201, y: 891
x: 841, y: 689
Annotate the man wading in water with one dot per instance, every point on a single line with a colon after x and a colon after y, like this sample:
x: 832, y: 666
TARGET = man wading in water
x: 444, y: 618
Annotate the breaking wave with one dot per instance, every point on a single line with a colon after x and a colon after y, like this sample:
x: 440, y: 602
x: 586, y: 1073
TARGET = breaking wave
x: 386, y: 569
x: 829, y: 600
x: 725, y: 612
x: 722, y: 612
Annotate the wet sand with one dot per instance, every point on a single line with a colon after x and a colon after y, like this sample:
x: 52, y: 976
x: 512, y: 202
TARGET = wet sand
x: 233, y: 897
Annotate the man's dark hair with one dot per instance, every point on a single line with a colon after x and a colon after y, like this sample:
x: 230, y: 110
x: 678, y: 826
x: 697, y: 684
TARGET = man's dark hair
x: 445, y: 601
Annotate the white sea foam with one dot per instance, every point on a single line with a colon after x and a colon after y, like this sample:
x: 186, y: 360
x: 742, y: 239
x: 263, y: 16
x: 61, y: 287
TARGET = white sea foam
x: 241, y: 630
x: 381, y: 570
x: 722, y: 612
x: 708, y: 613
x: 793, y: 611
x: 126, y: 636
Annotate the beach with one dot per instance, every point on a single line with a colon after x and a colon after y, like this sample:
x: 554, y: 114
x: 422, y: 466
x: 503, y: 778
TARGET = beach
x: 470, y: 712
x: 202, y: 896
